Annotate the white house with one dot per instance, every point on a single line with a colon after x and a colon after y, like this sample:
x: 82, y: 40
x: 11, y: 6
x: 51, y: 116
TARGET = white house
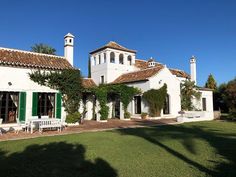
x: 22, y: 98
x: 116, y: 64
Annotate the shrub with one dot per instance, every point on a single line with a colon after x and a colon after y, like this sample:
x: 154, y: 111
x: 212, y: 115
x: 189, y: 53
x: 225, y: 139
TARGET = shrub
x: 127, y: 115
x: 73, y: 118
x: 232, y: 115
x: 144, y: 115
x: 155, y: 99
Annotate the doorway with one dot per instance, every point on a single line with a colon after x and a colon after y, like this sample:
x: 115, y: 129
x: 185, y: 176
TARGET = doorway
x: 137, y: 105
x: 166, y: 109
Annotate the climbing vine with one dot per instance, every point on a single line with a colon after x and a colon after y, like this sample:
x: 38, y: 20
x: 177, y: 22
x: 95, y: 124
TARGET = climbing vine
x: 156, y: 100
x: 125, y: 93
x: 67, y: 81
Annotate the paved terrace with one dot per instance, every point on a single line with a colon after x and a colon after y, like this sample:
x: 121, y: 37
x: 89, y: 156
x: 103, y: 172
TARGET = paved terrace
x: 89, y: 126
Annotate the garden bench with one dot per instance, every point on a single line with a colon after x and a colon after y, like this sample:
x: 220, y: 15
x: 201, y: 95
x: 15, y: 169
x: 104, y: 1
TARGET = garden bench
x: 49, y: 124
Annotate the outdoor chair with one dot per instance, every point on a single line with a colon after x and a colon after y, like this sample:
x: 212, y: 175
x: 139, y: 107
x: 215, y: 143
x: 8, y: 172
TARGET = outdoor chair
x: 22, y: 125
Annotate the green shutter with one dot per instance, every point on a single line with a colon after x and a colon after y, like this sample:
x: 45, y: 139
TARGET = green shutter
x: 58, y: 105
x: 22, y: 109
x: 35, y: 104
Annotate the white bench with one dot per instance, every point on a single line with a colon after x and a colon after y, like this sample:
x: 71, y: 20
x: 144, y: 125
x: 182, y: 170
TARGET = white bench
x: 49, y: 124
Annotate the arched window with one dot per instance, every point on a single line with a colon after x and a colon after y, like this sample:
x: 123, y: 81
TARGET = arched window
x: 99, y: 59
x: 129, y: 60
x: 121, y: 59
x: 105, y: 57
x: 112, y: 57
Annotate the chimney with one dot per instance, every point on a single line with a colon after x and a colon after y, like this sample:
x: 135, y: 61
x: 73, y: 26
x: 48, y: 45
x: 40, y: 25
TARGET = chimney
x: 69, y: 48
x: 193, y: 70
x: 151, y: 62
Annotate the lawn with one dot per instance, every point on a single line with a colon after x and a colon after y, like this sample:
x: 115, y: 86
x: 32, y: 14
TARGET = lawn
x: 187, y: 150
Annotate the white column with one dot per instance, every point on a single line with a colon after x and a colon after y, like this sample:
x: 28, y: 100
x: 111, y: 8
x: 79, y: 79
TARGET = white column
x: 108, y: 56
x: 92, y: 61
x: 29, y: 105
x: 102, y: 58
x: 125, y: 59
x: 97, y: 110
x: 133, y: 59
x: 116, y: 58
x: 121, y: 111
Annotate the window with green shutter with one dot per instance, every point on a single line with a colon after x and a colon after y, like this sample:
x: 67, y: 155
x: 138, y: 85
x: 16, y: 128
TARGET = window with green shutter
x: 22, y: 109
x: 58, y: 105
x: 35, y: 104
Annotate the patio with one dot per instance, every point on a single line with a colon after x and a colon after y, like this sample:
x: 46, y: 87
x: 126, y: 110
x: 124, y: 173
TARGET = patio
x: 89, y: 125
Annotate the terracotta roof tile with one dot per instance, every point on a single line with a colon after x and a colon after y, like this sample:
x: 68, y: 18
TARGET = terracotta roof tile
x: 141, y: 75
x: 179, y: 73
x: 143, y: 64
x: 19, y: 58
x: 88, y: 83
x: 113, y: 45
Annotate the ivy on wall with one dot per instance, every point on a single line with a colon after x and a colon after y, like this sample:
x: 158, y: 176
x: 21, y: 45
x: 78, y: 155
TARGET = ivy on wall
x: 67, y: 81
x: 156, y: 100
x: 125, y: 93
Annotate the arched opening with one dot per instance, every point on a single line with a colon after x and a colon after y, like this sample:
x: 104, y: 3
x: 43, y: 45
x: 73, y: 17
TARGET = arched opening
x: 129, y: 60
x: 99, y: 59
x: 112, y: 57
x: 105, y: 57
x: 121, y: 59
x: 166, y: 109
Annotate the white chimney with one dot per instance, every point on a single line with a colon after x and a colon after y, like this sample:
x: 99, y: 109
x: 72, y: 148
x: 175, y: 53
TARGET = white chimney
x: 69, y: 48
x: 193, y: 69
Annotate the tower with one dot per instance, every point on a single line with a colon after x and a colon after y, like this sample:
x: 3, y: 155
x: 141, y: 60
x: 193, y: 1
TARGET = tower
x: 69, y: 48
x: 193, y: 69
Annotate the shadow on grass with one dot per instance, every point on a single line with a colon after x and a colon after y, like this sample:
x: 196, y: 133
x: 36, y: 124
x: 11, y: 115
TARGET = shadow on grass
x: 53, y: 160
x: 224, y: 145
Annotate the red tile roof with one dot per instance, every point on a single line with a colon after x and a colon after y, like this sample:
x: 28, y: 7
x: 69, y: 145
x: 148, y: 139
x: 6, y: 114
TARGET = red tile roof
x: 143, y: 64
x: 113, y: 45
x: 19, y: 58
x: 88, y: 83
x: 135, y: 76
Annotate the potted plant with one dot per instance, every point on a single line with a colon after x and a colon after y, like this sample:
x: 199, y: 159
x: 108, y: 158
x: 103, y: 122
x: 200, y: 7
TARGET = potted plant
x: 144, y: 115
x: 127, y: 115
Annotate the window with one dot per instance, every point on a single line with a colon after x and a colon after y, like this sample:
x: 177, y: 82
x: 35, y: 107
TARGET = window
x: 121, y: 59
x: 204, y: 104
x: 99, y: 59
x: 129, y: 60
x: 112, y: 57
x: 102, y: 80
x: 46, y: 104
x: 9, y: 106
x: 70, y: 40
x: 105, y: 57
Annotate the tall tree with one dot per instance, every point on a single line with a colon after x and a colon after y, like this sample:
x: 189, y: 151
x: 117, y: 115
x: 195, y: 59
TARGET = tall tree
x: 231, y: 95
x: 43, y: 48
x: 188, y: 93
x: 89, y: 68
x: 211, y: 83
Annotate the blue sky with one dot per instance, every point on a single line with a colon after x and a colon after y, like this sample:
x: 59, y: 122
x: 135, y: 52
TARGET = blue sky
x: 168, y: 30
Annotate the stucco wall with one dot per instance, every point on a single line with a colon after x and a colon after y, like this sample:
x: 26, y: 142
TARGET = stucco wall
x: 21, y: 82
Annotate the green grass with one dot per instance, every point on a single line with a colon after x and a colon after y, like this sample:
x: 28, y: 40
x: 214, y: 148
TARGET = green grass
x: 187, y: 150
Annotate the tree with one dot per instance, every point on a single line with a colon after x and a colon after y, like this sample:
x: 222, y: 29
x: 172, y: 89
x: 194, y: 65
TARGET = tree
x: 211, y: 83
x: 89, y: 68
x: 220, y: 98
x: 43, y: 48
x: 230, y: 92
x: 67, y: 81
x: 188, y: 93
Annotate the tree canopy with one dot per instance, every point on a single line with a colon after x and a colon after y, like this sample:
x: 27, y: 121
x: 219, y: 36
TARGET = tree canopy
x: 43, y: 48
x: 211, y: 83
